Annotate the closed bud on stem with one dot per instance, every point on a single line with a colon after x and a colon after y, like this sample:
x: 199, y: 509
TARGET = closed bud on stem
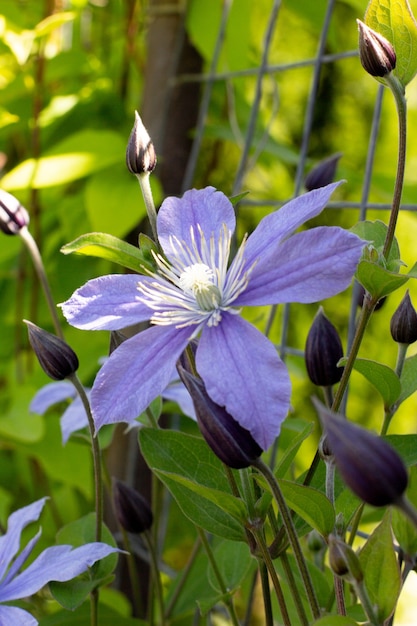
x: 369, y: 466
x: 13, y: 216
x: 140, y: 152
x: 376, y: 53
x: 132, y: 510
x: 343, y: 560
x: 403, y: 324
x: 56, y: 358
x: 323, y: 351
x: 230, y: 442
x: 323, y: 173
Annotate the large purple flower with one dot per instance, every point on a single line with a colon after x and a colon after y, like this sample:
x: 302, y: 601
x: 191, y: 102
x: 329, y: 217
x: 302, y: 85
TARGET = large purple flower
x: 60, y: 563
x: 195, y: 291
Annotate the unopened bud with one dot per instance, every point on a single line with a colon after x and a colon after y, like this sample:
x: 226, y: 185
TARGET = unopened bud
x: 132, y: 510
x: 55, y: 356
x: 369, y: 466
x: 230, y: 442
x: 323, y: 351
x: 376, y: 53
x: 13, y: 216
x: 343, y: 560
x: 140, y: 152
x: 323, y: 173
x: 404, y: 322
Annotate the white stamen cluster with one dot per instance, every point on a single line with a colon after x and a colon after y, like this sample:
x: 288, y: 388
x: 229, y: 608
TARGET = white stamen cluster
x: 196, y: 285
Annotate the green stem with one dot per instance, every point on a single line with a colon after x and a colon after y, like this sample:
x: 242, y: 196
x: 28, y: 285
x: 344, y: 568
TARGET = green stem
x: 183, y: 579
x: 292, y: 535
x: 156, y: 576
x: 98, y: 482
x: 33, y: 249
x: 227, y: 599
x: 408, y: 509
x: 390, y: 411
x: 133, y: 572
x: 366, y: 602
x: 266, y: 557
x: 149, y: 203
x: 266, y: 594
x: 401, y: 104
x: 294, y: 590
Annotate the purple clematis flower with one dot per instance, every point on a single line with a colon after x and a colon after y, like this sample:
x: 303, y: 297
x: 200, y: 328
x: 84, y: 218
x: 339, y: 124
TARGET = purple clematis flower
x: 75, y: 418
x: 59, y: 563
x: 195, y: 291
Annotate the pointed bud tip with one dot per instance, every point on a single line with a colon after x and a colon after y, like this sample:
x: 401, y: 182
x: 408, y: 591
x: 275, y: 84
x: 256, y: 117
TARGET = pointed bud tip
x: 403, y: 323
x: 369, y: 466
x: 323, y: 173
x: 140, y: 152
x: 231, y: 443
x: 13, y: 216
x: 55, y: 356
x: 323, y: 351
x: 376, y: 53
x: 132, y: 510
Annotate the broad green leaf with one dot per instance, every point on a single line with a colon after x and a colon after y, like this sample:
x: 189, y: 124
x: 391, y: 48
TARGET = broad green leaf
x: 382, y: 377
x: 49, y: 24
x: 234, y: 561
x: 291, y: 446
x: 196, y: 479
x: 82, y: 617
x: 404, y: 530
x: 335, y: 620
x: 375, y: 233
x: 380, y: 568
x: 377, y: 280
x: 406, y: 446
x: 78, y: 156
x: 408, y: 378
x: 311, y: 505
x: 72, y: 594
x: 394, y: 20
x: 110, y: 248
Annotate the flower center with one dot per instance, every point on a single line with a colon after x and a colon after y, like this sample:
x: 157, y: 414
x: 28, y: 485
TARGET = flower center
x: 198, y: 279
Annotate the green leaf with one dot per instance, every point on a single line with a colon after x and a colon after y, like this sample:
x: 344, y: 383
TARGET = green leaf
x: 376, y: 233
x: 394, y: 20
x: 382, y: 377
x: 109, y: 248
x: 82, y: 617
x: 196, y: 479
x: 291, y: 444
x: 379, y: 281
x: 380, y: 567
x: 78, y: 156
x: 335, y: 620
x: 234, y: 561
x: 311, y: 505
x: 404, y: 530
x: 72, y: 594
x: 406, y: 446
x: 408, y: 378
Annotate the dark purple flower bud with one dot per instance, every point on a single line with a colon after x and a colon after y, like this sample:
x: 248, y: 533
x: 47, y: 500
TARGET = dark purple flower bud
x: 55, y: 356
x: 13, y: 216
x: 233, y: 444
x: 132, y: 510
x: 343, y: 560
x: 323, y: 173
x: 140, y: 153
x: 404, y: 322
x: 376, y: 53
x: 323, y: 351
x: 369, y: 466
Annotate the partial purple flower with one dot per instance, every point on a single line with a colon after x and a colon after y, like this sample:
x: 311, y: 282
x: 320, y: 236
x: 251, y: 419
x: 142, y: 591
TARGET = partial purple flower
x: 59, y: 563
x: 197, y: 292
x: 74, y: 417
